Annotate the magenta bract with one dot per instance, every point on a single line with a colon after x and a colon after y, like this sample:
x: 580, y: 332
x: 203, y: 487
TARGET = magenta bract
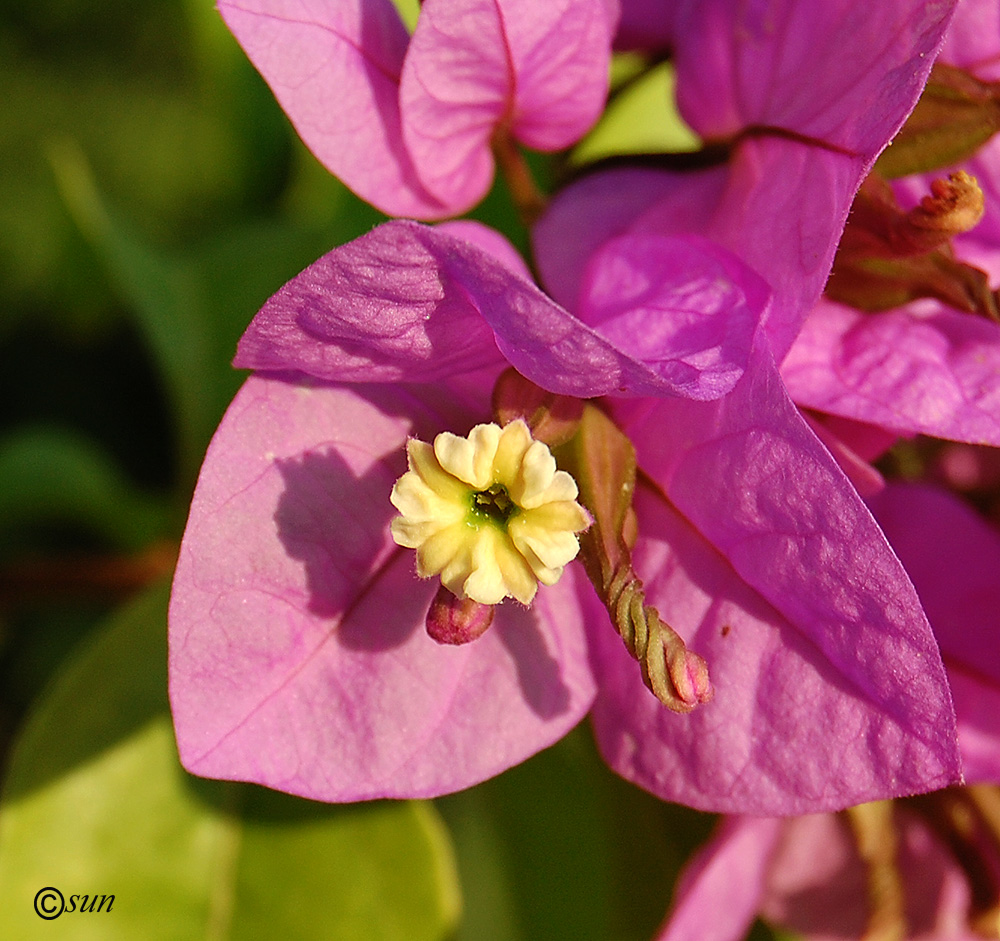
x: 769, y: 80
x: 407, y: 122
x: 298, y: 656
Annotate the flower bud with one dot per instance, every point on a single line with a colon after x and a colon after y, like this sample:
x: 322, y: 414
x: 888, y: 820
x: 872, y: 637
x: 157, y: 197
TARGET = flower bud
x: 454, y: 620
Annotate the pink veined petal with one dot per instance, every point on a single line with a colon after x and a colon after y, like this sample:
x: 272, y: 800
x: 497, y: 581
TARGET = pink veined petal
x: 378, y: 309
x: 604, y: 205
x: 335, y: 70
x: 801, y: 77
x: 937, y: 374
x: 816, y: 881
x: 863, y: 477
x: 720, y: 891
x: 677, y: 304
x: 953, y: 556
x: 298, y: 656
x: 562, y: 56
x: 779, y: 206
x: 490, y: 241
x: 786, y: 732
x: 811, y: 68
x: 411, y: 303
x: 757, y: 485
x: 539, y: 69
x: 869, y: 442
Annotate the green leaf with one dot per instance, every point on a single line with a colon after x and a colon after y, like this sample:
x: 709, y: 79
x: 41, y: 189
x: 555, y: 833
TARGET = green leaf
x: 52, y: 475
x: 955, y: 116
x: 641, y: 119
x: 193, y: 306
x: 165, y: 296
x: 560, y: 848
x: 96, y: 803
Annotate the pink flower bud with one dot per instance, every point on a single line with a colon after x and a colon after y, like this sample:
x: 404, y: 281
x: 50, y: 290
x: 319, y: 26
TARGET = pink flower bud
x: 689, y: 674
x: 454, y: 620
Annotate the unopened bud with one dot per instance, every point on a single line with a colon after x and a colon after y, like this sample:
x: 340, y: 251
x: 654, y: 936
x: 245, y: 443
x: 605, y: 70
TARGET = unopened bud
x: 454, y: 620
x: 954, y: 206
x: 888, y: 257
x: 689, y: 674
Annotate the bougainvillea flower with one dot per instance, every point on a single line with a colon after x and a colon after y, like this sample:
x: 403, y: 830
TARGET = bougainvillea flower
x: 769, y: 80
x: 489, y: 512
x: 407, y: 122
x: 923, y: 368
x: 806, y: 874
x: 297, y: 656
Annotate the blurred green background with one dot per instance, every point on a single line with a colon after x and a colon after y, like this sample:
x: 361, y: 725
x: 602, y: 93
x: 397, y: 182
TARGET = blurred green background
x: 152, y: 196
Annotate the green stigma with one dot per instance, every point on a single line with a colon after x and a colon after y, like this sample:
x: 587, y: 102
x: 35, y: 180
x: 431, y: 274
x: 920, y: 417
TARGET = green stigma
x: 494, y: 504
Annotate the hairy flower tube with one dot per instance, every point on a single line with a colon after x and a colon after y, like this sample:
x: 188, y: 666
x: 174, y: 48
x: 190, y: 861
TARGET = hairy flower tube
x: 489, y: 512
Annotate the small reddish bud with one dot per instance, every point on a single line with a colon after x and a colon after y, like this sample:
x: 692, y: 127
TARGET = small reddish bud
x: 689, y: 674
x: 454, y: 620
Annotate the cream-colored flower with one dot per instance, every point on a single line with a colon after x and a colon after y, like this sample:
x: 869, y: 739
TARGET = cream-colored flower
x: 489, y: 513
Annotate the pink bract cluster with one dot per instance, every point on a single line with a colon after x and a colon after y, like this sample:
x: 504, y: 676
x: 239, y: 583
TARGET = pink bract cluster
x: 847, y: 622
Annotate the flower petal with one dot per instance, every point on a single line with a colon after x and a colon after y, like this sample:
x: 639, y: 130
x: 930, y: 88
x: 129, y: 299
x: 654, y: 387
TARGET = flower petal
x: 973, y: 39
x: 674, y: 303
x: 378, y: 309
x: 474, y: 65
x: 829, y: 686
x: 411, y: 303
x: 298, y: 657
x: 779, y: 206
x: 720, y: 891
x: 786, y: 732
x: 817, y: 882
x: 937, y: 374
x: 953, y: 557
x: 782, y: 63
x: 977, y: 705
x: 334, y: 68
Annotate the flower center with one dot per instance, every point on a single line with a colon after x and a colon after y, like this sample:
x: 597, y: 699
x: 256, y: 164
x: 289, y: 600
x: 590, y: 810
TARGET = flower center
x: 489, y: 513
x: 494, y: 504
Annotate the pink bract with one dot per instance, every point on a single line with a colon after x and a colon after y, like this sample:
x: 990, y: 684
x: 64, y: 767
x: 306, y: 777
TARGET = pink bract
x: 769, y: 80
x: 407, y: 122
x: 923, y: 368
x: 805, y: 874
x: 298, y: 657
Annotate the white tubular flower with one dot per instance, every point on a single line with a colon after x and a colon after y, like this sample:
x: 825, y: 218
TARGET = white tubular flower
x: 488, y: 513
